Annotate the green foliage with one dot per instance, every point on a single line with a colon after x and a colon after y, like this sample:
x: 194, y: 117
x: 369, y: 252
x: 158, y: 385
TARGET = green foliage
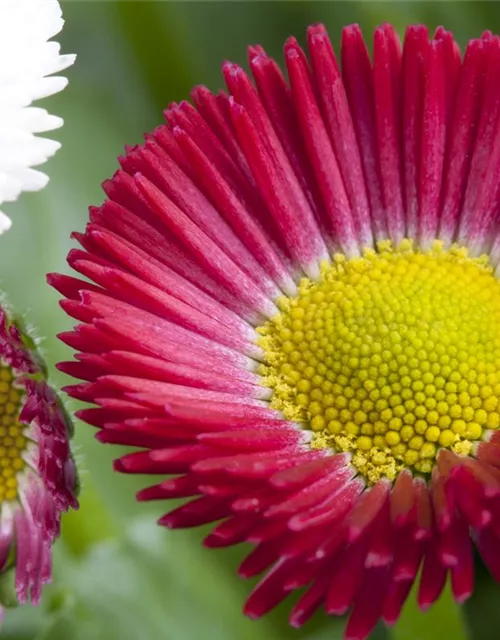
x: 118, y: 575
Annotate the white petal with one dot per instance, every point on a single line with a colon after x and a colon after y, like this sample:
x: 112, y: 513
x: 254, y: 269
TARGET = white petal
x: 32, y: 180
x: 28, y: 60
x: 10, y: 187
x: 25, y: 150
x: 47, y: 87
x: 32, y: 119
x: 64, y: 62
x: 5, y: 222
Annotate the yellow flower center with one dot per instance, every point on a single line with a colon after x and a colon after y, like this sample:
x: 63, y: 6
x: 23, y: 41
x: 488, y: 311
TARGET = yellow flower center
x: 390, y: 356
x: 12, y: 440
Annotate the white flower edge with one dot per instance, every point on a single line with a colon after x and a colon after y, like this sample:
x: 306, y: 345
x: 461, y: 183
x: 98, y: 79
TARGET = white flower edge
x: 27, y: 61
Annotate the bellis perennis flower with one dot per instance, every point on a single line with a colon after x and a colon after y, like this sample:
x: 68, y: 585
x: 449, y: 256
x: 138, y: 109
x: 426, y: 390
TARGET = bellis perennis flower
x: 38, y: 478
x: 27, y: 62
x: 296, y: 313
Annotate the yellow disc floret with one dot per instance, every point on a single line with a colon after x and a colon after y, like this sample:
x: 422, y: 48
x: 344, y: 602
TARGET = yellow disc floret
x: 12, y: 440
x: 391, y: 356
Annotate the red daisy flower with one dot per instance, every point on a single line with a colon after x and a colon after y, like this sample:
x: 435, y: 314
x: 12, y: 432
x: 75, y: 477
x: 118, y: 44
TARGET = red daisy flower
x: 38, y: 478
x: 296, y: 313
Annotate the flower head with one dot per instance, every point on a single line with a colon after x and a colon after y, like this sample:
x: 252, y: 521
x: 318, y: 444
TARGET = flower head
x: 27, y: 62
x: 37, y: 474
x: 296, y: 313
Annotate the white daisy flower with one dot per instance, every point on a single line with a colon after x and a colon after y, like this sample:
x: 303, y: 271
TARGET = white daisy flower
x: 27, y: 61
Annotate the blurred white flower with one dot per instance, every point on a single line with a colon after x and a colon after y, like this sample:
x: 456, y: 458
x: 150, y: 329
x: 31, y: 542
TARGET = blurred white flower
x: 27, y: 62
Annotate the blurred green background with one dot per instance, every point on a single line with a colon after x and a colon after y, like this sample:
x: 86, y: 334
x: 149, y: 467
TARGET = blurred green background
x: 117, y: 575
